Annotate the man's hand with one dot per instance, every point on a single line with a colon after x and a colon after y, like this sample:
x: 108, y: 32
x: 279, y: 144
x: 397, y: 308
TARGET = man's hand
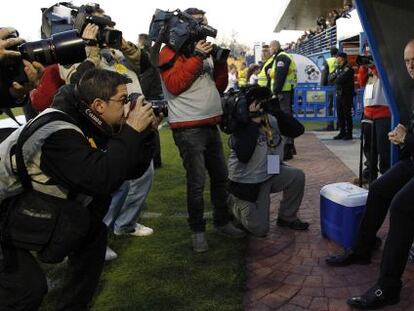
x: 255, y: 108
x: 203, y: 48
x: 397, y: 135
x: 90, y: 32
x: 6, y: 43
x: 140, y: 117
x: 34, y: 72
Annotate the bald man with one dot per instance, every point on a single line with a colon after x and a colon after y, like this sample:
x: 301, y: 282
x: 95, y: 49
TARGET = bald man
x: 393, y: 191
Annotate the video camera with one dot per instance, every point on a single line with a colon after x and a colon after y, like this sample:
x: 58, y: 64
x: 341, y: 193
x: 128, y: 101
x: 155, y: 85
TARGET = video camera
x: 158, y: 105
x: 364, y: 60
x: 179, y: 30
x: 236, y: 106
x: 64, y: 48
x: 106, y: 37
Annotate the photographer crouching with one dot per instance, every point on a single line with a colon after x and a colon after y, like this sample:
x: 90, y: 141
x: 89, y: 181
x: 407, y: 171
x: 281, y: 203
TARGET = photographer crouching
x: 83, y: 150
x: 255, y: 164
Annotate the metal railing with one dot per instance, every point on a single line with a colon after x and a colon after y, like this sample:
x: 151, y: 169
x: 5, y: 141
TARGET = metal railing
x: 319, y: 43
x: 312, y: 103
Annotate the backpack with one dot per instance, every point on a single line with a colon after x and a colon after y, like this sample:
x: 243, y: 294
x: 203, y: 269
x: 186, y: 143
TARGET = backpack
x: 34, y: 214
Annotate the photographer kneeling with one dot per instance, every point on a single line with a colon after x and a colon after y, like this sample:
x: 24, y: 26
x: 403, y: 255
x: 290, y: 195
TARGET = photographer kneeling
x: 256, y: 169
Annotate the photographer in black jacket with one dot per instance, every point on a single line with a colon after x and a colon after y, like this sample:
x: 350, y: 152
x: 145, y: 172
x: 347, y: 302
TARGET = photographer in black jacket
x: 112, y: 149
x: 256, y: 169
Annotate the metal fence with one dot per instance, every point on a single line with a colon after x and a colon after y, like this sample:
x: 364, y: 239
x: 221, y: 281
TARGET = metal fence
x: 318, y: 103
x: 319, y: 43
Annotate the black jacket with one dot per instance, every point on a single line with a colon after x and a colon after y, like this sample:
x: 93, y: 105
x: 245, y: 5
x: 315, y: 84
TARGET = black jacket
x: 244, y: 139
x: 281, y: 71
x: 68, y: 158
x: 343, y: 79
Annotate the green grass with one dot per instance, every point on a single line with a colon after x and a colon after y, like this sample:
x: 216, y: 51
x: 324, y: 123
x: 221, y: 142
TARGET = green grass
x: 16, y: 111
x: 161, y: 272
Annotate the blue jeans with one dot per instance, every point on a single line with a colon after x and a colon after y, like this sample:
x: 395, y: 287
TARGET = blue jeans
x: 200, y: 150
x: 128, y: 202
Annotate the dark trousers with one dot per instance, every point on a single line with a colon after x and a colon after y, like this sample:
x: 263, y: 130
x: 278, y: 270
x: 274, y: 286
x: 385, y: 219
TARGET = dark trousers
x: 200, y: 150
x: 157, y: 151
x: 344, y: 103
x: 392, y: 191
x: 286, y: 101
x: 23, y: 282
x: 380, y: 149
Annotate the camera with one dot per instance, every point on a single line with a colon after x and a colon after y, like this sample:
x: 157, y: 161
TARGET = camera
x: 158, y: 105
x: 180, y: 30
x: 236, y: 106
x: 364, y: 60
x: 63, y: 48
x: 105, y: 37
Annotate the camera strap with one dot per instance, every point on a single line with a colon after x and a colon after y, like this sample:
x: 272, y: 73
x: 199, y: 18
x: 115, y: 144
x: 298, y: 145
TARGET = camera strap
x: 267, y: 128
x: 168, y: 64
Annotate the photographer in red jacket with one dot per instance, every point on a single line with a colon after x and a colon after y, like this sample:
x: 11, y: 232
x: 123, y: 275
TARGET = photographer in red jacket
x: 192, y: 81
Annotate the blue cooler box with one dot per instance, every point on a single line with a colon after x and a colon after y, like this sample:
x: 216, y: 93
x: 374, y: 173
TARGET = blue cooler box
x: 342, y: 208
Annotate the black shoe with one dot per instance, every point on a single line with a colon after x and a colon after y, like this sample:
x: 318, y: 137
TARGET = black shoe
x: 347, y: 137
x: 295, y: 225
x: 339, y: 136
x: 373, y: 299
x: 347, y: 259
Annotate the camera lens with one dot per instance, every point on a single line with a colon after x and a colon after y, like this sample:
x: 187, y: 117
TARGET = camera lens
x: 64, y: 48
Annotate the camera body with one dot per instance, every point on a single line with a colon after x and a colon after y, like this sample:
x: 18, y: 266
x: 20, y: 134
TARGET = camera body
x: 158, y: 105
x: 236, y: 106
x: 106, y: 37
x: 179, y: 30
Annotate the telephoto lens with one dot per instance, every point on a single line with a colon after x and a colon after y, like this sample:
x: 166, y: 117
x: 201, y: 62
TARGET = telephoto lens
x: 64, y: 48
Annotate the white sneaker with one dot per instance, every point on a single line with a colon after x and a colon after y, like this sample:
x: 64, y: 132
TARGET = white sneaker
x: 110, y: 254
x: 141, y: 230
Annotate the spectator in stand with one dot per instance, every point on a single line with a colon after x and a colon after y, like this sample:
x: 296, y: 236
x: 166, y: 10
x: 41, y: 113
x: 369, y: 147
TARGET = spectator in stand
x: 252, y: 74
x: 321, y: 22
x: 232, y: 78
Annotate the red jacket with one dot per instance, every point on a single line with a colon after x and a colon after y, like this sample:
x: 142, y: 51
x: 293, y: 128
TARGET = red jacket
x: 185, y: 71
x: 42, y: 96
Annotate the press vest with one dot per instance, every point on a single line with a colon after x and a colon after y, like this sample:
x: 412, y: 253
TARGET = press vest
x: 262, y: 74
x: 331, y: 61
x: 291, y: 77
x: 243, y: 77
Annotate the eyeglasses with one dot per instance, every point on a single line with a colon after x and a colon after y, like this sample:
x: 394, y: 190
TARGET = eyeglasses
x: 123, y: 101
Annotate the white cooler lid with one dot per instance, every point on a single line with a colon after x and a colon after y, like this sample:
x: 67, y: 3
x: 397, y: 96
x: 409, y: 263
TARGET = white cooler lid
x: 345, y: 194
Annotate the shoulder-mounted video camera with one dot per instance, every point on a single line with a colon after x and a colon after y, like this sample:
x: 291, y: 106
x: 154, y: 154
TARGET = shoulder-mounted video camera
x: 236, y: 106
x: 107, y: 37
x: 180, y: 30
